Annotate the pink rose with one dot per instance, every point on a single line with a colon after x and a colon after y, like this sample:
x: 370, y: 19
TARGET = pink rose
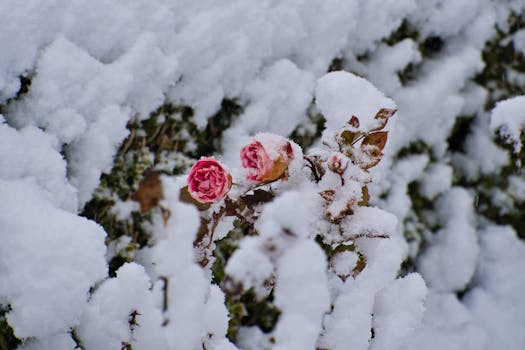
x: 267, y: 157
x: 208, y: 181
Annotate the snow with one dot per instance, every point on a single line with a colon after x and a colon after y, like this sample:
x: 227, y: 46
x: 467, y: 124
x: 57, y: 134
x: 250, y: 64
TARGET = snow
x: 188, y: 291
x: 508, y: 118
x: 398, y: 310
x: 280, y: 95
x: 49, y: 259
x: 388, y: 61
x: 445, y: 17
x: 437, y: 179
x: 447, y: 324
x: 449, y: 263
x: 250, y: 266
x: 302, y: 296
x: 519, y: 41
x: 31, y: 154
x: 482, y: 156
x: 340, y: 95
x: 84, y: 103
x: 106, y: 321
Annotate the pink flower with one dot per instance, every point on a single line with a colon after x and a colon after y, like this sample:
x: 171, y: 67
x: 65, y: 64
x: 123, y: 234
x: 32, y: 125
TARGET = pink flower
x: 208, y: 181
x: 337, y: 163
x: 267, y: 157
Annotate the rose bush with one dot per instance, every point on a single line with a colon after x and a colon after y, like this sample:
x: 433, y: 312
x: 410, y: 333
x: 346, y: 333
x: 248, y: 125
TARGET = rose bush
x: 209, y: 181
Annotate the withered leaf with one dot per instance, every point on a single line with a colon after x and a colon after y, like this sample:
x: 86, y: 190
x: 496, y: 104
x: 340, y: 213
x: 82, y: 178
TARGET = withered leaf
x: 257, y: 197
x: 354, y: 122
x: 185, y: 197
x: 328, y: 195
x: 385, y: 113
x: 365, y: 197
x: 360, y: 266
x: 149, y: 192
x: 348, y: 137
x: 377, y: 139
x: 373, y: 158
x: 344, y: 247
x: 382, y: 117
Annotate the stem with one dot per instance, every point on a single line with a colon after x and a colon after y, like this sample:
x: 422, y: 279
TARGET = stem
x: 357, y: 139
x: 312, y: 168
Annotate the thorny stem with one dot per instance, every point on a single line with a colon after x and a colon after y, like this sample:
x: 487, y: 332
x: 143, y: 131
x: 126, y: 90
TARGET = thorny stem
x: 76, y: 339
x: 164, y: 298
x: 128, y: 143
x: 369, y: 235
x: 312, y: 168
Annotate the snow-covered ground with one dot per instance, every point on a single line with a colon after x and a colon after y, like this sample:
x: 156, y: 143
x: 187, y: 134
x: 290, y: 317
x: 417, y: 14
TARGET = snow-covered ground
x: 94, y: 66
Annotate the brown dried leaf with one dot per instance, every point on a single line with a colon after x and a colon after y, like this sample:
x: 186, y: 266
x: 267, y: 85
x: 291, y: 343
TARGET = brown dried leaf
x: 382, y: 117
x: 354, y: 122
x: 344, y: 247
x: 348, y: 137
x: 365, y: 198
x: 360, y: 266
x: 385, y: 113
x: 185, y: 197
x: 149, y: 192
x: 257, y: 197
x: 328, y: 195
x: 377, y: 139
x: 372, y: 156
x: 166, y: 214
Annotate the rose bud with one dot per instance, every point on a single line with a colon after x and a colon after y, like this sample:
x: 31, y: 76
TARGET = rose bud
x: 267, y: 157
x: 208, y: 181
x: 337, y: 163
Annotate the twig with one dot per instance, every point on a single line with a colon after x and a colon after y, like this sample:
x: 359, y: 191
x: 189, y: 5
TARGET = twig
x: 312, y: 168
